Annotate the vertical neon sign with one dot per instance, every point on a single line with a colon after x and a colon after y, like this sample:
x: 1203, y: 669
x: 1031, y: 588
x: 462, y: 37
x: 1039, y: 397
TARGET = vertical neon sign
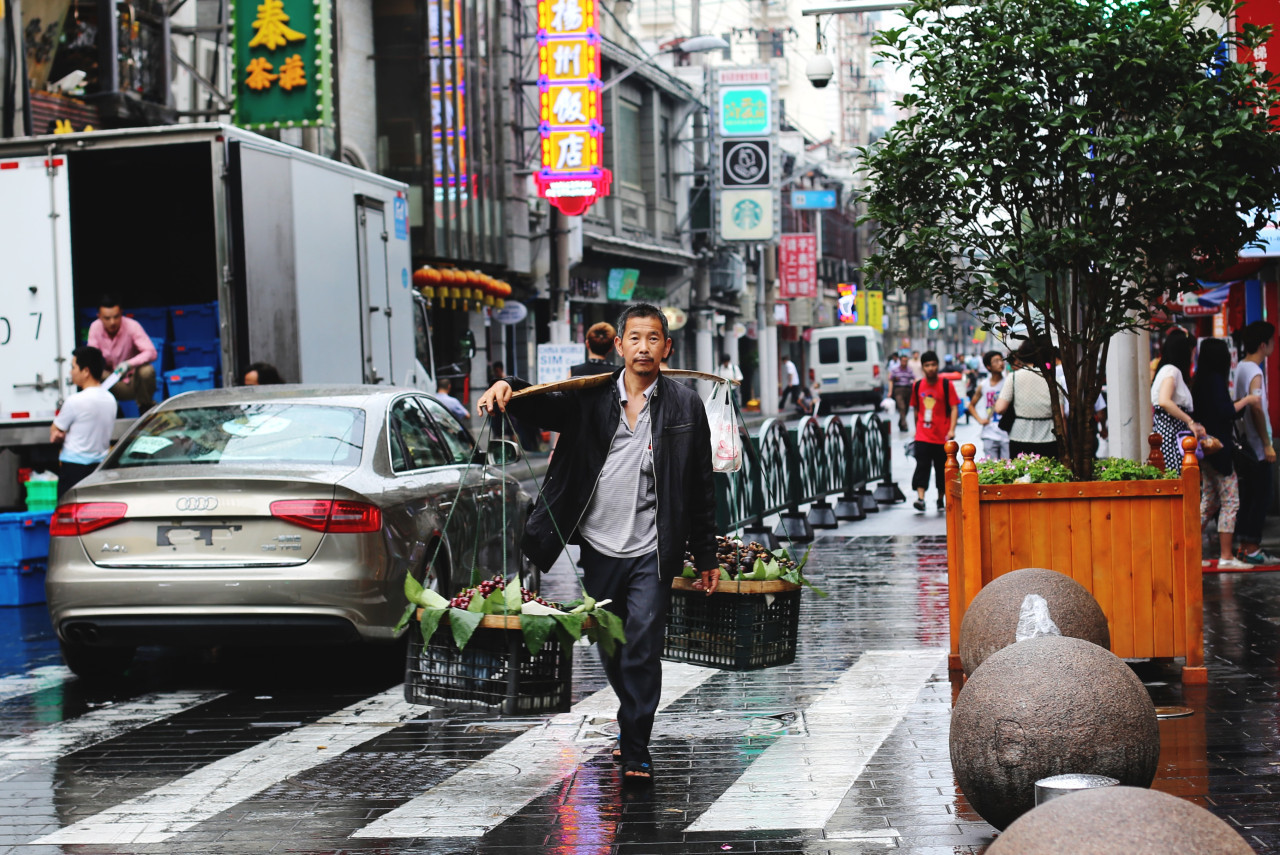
x: 448, y: 88
x: 569, y: 100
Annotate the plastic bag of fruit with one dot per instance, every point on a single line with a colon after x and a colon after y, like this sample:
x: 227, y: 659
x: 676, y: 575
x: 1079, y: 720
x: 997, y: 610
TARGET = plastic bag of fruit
x: 726, y: 440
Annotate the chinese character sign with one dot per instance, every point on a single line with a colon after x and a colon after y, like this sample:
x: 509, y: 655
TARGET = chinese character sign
x: 1262, y: 13
x: 448, y: 100
x: 798, y: 266
x: 281, y: 63
x: 569, y: 104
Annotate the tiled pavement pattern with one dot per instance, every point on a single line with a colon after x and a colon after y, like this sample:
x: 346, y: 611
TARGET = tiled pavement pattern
x: 308, y: 750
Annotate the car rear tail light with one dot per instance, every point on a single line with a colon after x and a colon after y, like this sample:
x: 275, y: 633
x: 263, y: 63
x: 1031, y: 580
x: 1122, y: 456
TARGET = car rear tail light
x: 812, y: 375
x: 875, y: 371
x: 80, y: 518
x: 332, y: 517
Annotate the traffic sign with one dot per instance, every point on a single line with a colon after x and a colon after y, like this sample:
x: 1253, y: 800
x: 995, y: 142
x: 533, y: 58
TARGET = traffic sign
x: 813, y: 200
x: 745, y: 163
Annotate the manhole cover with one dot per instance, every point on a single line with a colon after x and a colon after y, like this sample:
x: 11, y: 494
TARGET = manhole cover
x: 1174, y: 712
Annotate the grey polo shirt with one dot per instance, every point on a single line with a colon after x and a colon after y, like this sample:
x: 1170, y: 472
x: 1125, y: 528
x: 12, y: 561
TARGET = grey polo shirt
x: 621, y: 518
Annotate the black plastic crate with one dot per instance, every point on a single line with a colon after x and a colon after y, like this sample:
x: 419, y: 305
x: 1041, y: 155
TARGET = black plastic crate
x: 494, y: 673
x: 735, y: 632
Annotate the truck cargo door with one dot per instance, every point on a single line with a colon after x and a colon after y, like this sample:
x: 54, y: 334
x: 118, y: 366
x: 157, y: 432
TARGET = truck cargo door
x: 375, y: 289
x: 36, y: 326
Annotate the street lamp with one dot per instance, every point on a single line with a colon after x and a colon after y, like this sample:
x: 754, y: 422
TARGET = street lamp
x: 696, y: 44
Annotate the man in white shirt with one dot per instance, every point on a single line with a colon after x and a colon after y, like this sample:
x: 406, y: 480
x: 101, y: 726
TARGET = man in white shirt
x: 444, y: 389
x: 729, y: 371
x: 790, y: 384
x: 84, y: 423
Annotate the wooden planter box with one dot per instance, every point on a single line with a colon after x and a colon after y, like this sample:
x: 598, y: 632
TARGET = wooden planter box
x: 1134, y: 545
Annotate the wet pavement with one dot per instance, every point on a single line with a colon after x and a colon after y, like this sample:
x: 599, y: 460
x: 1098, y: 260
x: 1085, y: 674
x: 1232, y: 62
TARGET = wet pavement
x: 843, y: 751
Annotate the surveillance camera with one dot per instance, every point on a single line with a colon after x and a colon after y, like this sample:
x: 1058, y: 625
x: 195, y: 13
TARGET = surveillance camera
x: 819, y: 70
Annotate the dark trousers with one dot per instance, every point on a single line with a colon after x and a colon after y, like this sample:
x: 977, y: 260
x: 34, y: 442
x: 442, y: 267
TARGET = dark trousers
x: 929, y: 454
x: 1255, y: 497
x: 635, y: 669
x: 71, y: 474
x: 902, y: 397
x: 792, y: 392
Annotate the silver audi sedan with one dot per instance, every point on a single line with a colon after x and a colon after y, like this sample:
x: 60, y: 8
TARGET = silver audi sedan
x: 276, y: 514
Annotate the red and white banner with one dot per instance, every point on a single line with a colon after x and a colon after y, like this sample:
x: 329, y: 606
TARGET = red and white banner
x: 798, y: 266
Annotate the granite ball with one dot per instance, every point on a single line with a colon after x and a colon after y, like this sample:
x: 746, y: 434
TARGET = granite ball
x: 1049, y: 706
x: 991, y: 621
x: 1119, y: 821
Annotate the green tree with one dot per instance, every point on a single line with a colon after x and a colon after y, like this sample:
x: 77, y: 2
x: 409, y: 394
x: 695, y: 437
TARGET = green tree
x: 1070, y: 161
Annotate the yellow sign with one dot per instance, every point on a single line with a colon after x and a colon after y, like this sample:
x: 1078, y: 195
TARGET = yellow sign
x: 870, y: 308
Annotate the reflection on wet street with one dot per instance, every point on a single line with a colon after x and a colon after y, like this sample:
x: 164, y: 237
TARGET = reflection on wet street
x: 844, y: 751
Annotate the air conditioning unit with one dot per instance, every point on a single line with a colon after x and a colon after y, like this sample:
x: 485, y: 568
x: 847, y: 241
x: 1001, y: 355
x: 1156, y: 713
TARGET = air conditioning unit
x: 728, y: 273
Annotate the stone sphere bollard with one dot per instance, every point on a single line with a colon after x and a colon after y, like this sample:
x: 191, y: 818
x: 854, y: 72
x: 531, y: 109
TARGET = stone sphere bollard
x: 1049, y: 706
x: 1119, y: 821
x: 991, y: 621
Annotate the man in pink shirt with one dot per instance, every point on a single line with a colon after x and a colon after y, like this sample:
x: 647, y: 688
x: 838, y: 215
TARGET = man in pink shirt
x: 128, y: 352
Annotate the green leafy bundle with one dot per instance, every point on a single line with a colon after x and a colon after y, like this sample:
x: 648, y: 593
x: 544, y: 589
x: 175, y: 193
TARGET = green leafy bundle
x: 753, y: 562
x: 576, y: 620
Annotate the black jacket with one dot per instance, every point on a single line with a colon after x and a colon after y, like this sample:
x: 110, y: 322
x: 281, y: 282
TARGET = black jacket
x: 592, y: 366
x: 587, y: 420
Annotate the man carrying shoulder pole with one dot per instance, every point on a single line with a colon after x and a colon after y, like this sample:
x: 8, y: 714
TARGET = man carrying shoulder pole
x: 631, y: 484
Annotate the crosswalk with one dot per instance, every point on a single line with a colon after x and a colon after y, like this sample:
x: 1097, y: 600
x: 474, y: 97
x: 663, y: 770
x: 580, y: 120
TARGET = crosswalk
x: 802, y: 776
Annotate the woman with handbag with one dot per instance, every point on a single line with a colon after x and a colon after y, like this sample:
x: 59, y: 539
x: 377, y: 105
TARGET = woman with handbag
x: 1219, y: 495
x: 1025, y: 406
x: 1171, y: 402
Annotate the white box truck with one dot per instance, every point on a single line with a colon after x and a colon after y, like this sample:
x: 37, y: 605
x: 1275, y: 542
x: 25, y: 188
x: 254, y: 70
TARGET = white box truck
x: 307, y: 258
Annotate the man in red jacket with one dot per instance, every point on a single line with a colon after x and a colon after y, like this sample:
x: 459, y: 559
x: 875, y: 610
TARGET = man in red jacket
x: 937, y: 408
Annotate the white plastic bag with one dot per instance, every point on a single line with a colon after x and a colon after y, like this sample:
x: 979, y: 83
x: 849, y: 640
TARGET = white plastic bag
x: 726, y: 441
x: 1034, y: 620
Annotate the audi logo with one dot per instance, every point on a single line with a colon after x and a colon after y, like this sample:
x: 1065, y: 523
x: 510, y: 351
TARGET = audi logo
x: 197, y: 503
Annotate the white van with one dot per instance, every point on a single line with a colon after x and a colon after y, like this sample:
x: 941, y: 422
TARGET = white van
x: 847, y: 363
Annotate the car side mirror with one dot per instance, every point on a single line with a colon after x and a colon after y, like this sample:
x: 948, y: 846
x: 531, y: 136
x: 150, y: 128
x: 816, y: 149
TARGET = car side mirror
x: 502, y: 452
x: 467, y: 344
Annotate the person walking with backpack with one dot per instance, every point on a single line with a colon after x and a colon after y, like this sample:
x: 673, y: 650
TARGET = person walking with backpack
x: 937, y: 408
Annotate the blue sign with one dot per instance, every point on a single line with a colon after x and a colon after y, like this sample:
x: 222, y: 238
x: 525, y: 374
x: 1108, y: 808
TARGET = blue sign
x: 813, y: 200
x: 400, y: 207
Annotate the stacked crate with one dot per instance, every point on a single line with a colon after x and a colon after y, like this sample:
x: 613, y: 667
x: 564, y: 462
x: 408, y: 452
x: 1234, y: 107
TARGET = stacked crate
x: 24, y: 554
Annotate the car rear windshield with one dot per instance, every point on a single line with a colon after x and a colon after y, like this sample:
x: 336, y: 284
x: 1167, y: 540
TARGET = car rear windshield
x: 246, y: 433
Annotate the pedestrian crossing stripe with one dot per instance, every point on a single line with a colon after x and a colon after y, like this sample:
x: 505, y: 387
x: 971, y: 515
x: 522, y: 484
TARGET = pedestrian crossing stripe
x: 543, y: 757
x: 158, y: 815
x: 797, y: 782
x: 24, y: 753
x: 800, y: 780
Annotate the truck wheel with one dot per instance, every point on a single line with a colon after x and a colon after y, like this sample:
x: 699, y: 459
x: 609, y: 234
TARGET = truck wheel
x: 96, y: 663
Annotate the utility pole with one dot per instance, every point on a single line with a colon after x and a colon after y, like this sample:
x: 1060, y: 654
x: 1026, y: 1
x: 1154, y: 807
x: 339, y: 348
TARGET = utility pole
x: 559, y: 276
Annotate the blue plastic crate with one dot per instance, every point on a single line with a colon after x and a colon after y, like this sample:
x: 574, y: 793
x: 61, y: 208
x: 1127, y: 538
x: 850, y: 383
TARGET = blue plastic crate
x: 204, y: 352
x: 188, y: 379
x: 24, y: 536
x: 161, y: 362
x: 154, y: 319
x: 195, y: 322
x: 22, y: 583
x: 128, y: 409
